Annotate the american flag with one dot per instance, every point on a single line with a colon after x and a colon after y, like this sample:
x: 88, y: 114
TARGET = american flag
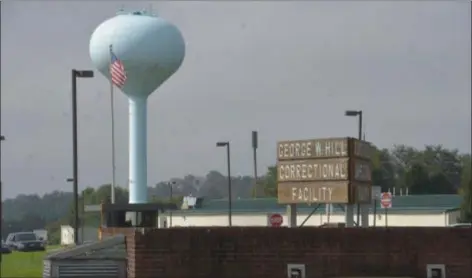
x: 117, y: 71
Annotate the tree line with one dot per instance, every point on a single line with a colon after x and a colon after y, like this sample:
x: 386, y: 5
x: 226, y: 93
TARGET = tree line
x: 431, y: 170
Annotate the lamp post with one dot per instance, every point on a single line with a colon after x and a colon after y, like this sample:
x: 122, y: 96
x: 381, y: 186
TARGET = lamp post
x: 254, y: 149
x: 76, y: 74
x: 356, y: 113
x: 2, y: 138
x: 171, y: 184
x: 226, y: 144
x: 81, y: 221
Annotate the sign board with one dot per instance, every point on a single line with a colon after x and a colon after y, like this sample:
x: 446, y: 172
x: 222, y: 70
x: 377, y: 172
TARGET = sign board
x: 312, y: 149
x: 362, y: 170
x: 386, y: 200
x: 324, y: 148
x: 363, y: 149
x: 362, y: 192
x: 313, y: 170
x: 332, y: 170
x: 376, y: 191
x: 275, y: 220
x: 336, y: 192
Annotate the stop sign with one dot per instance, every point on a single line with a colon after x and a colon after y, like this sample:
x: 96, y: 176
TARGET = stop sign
x: 275, y: 220
x: 386, y: 200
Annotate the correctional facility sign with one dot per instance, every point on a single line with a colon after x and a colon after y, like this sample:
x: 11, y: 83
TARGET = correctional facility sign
x: 313, y: 170
x: 312, y: 149
x: 313, y: 192
x: 332, y: 170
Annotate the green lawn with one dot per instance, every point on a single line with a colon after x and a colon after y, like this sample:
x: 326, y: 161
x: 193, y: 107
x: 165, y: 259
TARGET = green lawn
x: 23, y: 264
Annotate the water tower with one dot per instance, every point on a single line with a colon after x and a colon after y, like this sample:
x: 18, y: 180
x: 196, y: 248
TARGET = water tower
x: 150, y: 49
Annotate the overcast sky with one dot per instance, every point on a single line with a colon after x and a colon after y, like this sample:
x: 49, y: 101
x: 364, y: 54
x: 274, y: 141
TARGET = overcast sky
x: 287, y: 69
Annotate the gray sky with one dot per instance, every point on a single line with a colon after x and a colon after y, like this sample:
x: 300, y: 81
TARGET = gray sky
x: 286, y: 69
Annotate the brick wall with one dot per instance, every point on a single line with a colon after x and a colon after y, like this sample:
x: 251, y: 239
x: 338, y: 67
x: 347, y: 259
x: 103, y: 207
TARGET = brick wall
x: 328, y: 252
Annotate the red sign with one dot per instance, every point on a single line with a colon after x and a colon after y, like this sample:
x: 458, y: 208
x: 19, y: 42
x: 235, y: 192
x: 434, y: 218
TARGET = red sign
x: 386, y: 200
x: 275, y: 220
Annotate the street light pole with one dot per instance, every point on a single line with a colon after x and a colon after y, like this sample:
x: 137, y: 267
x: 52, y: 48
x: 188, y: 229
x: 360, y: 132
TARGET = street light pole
x: 75, y: 157
x: 254, y: 148
x: 2, y: 138
x: 354, y: 113
x: 171, y: 193
x: 360, y: 125
x: 75, y: 160
x: 228, y: 157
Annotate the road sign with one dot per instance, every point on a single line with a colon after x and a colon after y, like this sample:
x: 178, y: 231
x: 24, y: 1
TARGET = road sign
x: 376, y: 191
x: 386, y: 200
x: 318, y: 162
x: 275, y: 220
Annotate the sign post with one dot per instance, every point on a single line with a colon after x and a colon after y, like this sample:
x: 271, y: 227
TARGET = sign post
x: 376, y: 191
x: 386, y: 203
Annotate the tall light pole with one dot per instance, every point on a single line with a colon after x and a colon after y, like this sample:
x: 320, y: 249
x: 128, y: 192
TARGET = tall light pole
x: 230, y: 207
x: 356, y: 113
x: 171, y: 193
x: 2, y: 138
x: 254, y: 149
x: 75, y: 159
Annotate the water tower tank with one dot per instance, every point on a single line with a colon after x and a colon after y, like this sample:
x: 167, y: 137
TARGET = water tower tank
x: 150, y: 49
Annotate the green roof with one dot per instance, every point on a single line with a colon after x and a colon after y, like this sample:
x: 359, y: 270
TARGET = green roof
x: 400, y: 204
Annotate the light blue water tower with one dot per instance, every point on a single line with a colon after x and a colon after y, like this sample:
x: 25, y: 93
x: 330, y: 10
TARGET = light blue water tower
x: 151, y: 50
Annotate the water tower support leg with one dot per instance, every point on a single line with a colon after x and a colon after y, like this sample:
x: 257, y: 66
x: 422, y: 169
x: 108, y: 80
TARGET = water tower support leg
x: 137, y: 150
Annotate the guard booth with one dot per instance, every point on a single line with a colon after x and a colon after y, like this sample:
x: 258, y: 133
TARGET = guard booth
x: 129, y: 215
x: 133, y: 215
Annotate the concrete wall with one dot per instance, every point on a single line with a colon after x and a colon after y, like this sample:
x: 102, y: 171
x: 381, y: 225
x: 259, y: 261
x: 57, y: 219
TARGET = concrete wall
x: 439, y: 219
x: 326, y: 252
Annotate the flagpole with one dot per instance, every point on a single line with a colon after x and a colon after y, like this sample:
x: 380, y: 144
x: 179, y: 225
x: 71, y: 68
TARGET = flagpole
x: 112, y: 104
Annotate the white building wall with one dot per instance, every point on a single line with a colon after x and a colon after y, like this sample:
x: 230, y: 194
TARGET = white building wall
x: 85, y: 234
x: 67, y: 235
x: 260, y: 219
x: 453, y: 216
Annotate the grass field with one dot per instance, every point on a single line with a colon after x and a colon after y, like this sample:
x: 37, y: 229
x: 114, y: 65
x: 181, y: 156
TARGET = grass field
x: 23, y: 264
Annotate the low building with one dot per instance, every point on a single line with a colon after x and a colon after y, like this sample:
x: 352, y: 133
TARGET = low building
x: 407, y: 211
x: 106, y: 258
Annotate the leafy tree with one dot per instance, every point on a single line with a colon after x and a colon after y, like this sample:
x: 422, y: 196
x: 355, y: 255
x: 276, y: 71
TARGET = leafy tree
x: 466, y: 173
x: 384, y: 172
x: 269, y: 183
x: 215, y: 185
x: 50, y: 206
x: 417, y: 180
